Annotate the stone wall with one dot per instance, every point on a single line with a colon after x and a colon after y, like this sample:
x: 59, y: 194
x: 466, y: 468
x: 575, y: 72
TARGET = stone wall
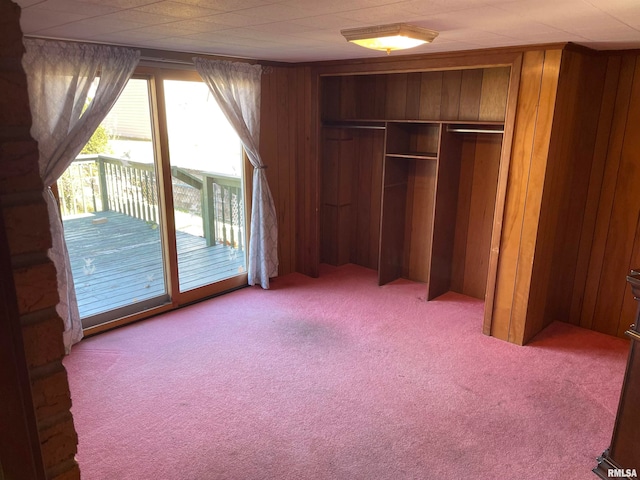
x: 27, y: 230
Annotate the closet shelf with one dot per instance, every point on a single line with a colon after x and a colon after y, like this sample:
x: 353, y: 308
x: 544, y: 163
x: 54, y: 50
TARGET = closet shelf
x: 475, y: 128
x: 359, y: 124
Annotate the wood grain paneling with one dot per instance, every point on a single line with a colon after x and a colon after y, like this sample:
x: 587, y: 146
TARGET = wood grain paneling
x: 446, y: 204
x: 330, y: 97
x: 533, y: 210
x: 450, y: 95
x: 379, y: 96
x: 587, y: 236
x: 420, y: 222
x: 564, y: 191
x: 278, y: 148
x: 568, y: 227
x: 285, y: 172
x: 367, y: 188
x: 558, y: 236
x: 471, y: 95
x: 430, y: 95
x: 351, y: 170
x: 566, y: 188
x: 461, y: 236
x: 480, y: 160
x: 414, y: 85
x: 493, y: 98
x: 337, y: 177
x: 618, y: 206
x: 348, y: 95
x: 368, y: 99
x: 483, y: 199
x: 514, y: 208
x: 306, y: 235
x: 622, y: 228
x: 396, y: 98
x: 363, y: 191
x: 394, y: 210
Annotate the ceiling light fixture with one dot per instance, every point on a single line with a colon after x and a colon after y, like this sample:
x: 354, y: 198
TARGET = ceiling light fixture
x: 395, y: 36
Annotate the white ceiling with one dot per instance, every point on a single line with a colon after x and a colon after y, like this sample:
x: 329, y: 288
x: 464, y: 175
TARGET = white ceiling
x: 309, y: 30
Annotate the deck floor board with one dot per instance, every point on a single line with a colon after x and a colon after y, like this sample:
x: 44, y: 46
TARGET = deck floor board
x: 116, y: 260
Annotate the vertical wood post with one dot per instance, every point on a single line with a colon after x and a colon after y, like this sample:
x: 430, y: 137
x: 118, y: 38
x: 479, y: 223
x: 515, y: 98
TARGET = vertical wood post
x: 104, y: 193
x: 208, y: 212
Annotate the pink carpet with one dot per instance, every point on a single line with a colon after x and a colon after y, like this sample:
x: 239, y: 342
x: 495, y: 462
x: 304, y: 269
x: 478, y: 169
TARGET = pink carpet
x: 337, y: 378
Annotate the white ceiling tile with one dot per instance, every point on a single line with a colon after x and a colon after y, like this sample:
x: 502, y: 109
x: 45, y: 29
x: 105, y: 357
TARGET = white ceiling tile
x: 286, y: 28
x: 43, y: 19
x: 609, y: 45
x: 130, y: 37
x: 234, y: 20
x: 307, y: 30
x: 484, y: 18
x: 279, y: 12
x: 142, y: 18
x: 230, y: 39
x: 531, y: 33
x: 618, y: 7
x: 194, y: 26
x: 621, y: 34
x: 329, y: 22
x: 322, y: 37
x: 377, y: 15
x: 421, y: 8
x: 97, y: 26
x: 76, y: 7
x: 230, y: 5
x: 566, y: 15
x: 28, y: 3
x: 119, y: 4
x: 633, y: 21
x: 248, y: 36
x: 337, y: 6
x: 166, y: 30
x: 177, y: 9
x: 75, y: 31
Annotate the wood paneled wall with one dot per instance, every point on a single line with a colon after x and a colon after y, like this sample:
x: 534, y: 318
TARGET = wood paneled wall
x: 466, y: 95
x: 351, y: 195
x: 565, y: 188
x: 282, y: 107
x: 569, y: 232
x: 479, y: 164
x: 366, y: 186
x: 545, y: 229
x: 536, y: 101
x: 610, y: 245
x: 419, y: 220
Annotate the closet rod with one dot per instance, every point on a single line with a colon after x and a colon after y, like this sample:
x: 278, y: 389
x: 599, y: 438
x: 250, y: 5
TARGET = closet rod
x: 472, y: 130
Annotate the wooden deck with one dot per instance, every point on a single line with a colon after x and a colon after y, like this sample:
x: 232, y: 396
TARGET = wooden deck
x: 117, y: 260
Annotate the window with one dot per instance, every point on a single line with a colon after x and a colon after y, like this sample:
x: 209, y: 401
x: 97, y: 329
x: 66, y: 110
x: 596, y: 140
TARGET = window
x: 154, y: 206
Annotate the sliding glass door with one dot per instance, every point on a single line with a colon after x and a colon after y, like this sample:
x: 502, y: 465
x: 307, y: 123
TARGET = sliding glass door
x: 153, y: 208
x: 208, y: 201
x: 110, y: 209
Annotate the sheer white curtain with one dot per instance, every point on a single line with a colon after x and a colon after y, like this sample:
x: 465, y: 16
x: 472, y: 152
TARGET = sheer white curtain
x: 236, y: 88
x: 59, y: 76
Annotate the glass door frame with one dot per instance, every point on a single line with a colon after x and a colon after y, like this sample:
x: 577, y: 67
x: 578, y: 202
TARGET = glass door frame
x: 155, y: 75
x: 182, y: 298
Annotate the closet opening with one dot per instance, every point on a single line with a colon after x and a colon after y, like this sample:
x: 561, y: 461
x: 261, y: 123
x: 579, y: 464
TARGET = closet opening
x: 410, y: 166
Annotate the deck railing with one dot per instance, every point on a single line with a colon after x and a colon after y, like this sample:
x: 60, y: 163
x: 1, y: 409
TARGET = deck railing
x: 95, y: 183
